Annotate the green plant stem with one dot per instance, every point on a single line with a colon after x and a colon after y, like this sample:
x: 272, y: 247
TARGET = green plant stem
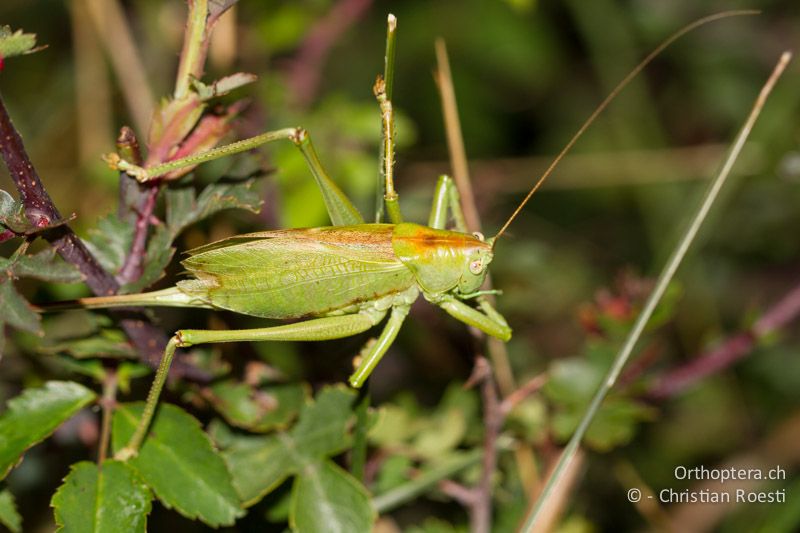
x: 192, y: 56
x: 358, y: 454
x: 408, y: 491
x: 658, y: 291
x: 107, y: 405
x: 446, y: 469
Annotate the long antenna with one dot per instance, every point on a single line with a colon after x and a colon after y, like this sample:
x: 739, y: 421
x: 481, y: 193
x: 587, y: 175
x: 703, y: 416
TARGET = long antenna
x: 625, y: 81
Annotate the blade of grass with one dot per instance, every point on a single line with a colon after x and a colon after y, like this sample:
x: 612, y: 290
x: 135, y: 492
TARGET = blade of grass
x: 658, y: 291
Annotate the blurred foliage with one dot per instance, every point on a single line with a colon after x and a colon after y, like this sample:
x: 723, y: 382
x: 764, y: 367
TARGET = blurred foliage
x: 573, y: 267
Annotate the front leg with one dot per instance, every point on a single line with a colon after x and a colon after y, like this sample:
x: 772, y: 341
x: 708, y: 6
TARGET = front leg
x: 490, y: 321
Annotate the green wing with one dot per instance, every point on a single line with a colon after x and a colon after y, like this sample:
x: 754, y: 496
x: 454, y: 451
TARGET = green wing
x: 295, y: 273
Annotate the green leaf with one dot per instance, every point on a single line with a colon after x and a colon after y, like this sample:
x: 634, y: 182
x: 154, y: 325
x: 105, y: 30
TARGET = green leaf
x: 110, y: 242
x: 110, y: 343
x: 320, y: 432
x: 45, y: 266
x: 257, y: 409
x: 394, y: 426
x: 326, y: 498
x: 185, y: 208
x: 35, y: 414
x: 222, y: 86
x: 14, y: 43
x: 393, y: 472
x: 87, y: 367
x: 322, y: 428
x: 180, y: 464
x: 614, y: 425
x: 16, y: 311
x: 274, y: 460
x: 93, y: 498
x: 9, y: 516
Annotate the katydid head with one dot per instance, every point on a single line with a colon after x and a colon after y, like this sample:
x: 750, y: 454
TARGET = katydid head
x: 476, y: 267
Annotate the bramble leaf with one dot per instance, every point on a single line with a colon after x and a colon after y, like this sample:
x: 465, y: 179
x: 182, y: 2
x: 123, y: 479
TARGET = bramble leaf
x: 93, y: 498
x: 184, y: 207
x: 322, y: 431
x: 35, y: 414
x: 257, y: 409
x: 110, y: 242
x: 45, y: 265
x: 9, y: 516
x: 16, y: 311
x: 275, y: 465
x: 104, y: 343
x: 326, y: 498
x: 179, y: 463
x: 322, y: 428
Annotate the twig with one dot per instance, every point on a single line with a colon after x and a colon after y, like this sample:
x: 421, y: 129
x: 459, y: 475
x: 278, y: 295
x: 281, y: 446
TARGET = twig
x: 305, y: 70
x: 463, y: 495
x: 134, y: 262
x: 107, y: 404
x: 515, y: 398
x: 481, y: 509
x: 732, y: 350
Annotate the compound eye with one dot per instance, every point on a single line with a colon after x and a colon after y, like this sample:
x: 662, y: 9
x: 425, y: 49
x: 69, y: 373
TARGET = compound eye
x: 478, y: 235
x: 476, y: 267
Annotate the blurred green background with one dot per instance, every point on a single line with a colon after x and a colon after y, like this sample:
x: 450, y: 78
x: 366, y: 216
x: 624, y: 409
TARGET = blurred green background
x: 526, y: 74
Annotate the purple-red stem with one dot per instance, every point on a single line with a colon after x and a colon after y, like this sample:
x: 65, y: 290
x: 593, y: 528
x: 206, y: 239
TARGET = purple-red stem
x: 729, y: 352
x: 134, y: 263
x: 481, y: 508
